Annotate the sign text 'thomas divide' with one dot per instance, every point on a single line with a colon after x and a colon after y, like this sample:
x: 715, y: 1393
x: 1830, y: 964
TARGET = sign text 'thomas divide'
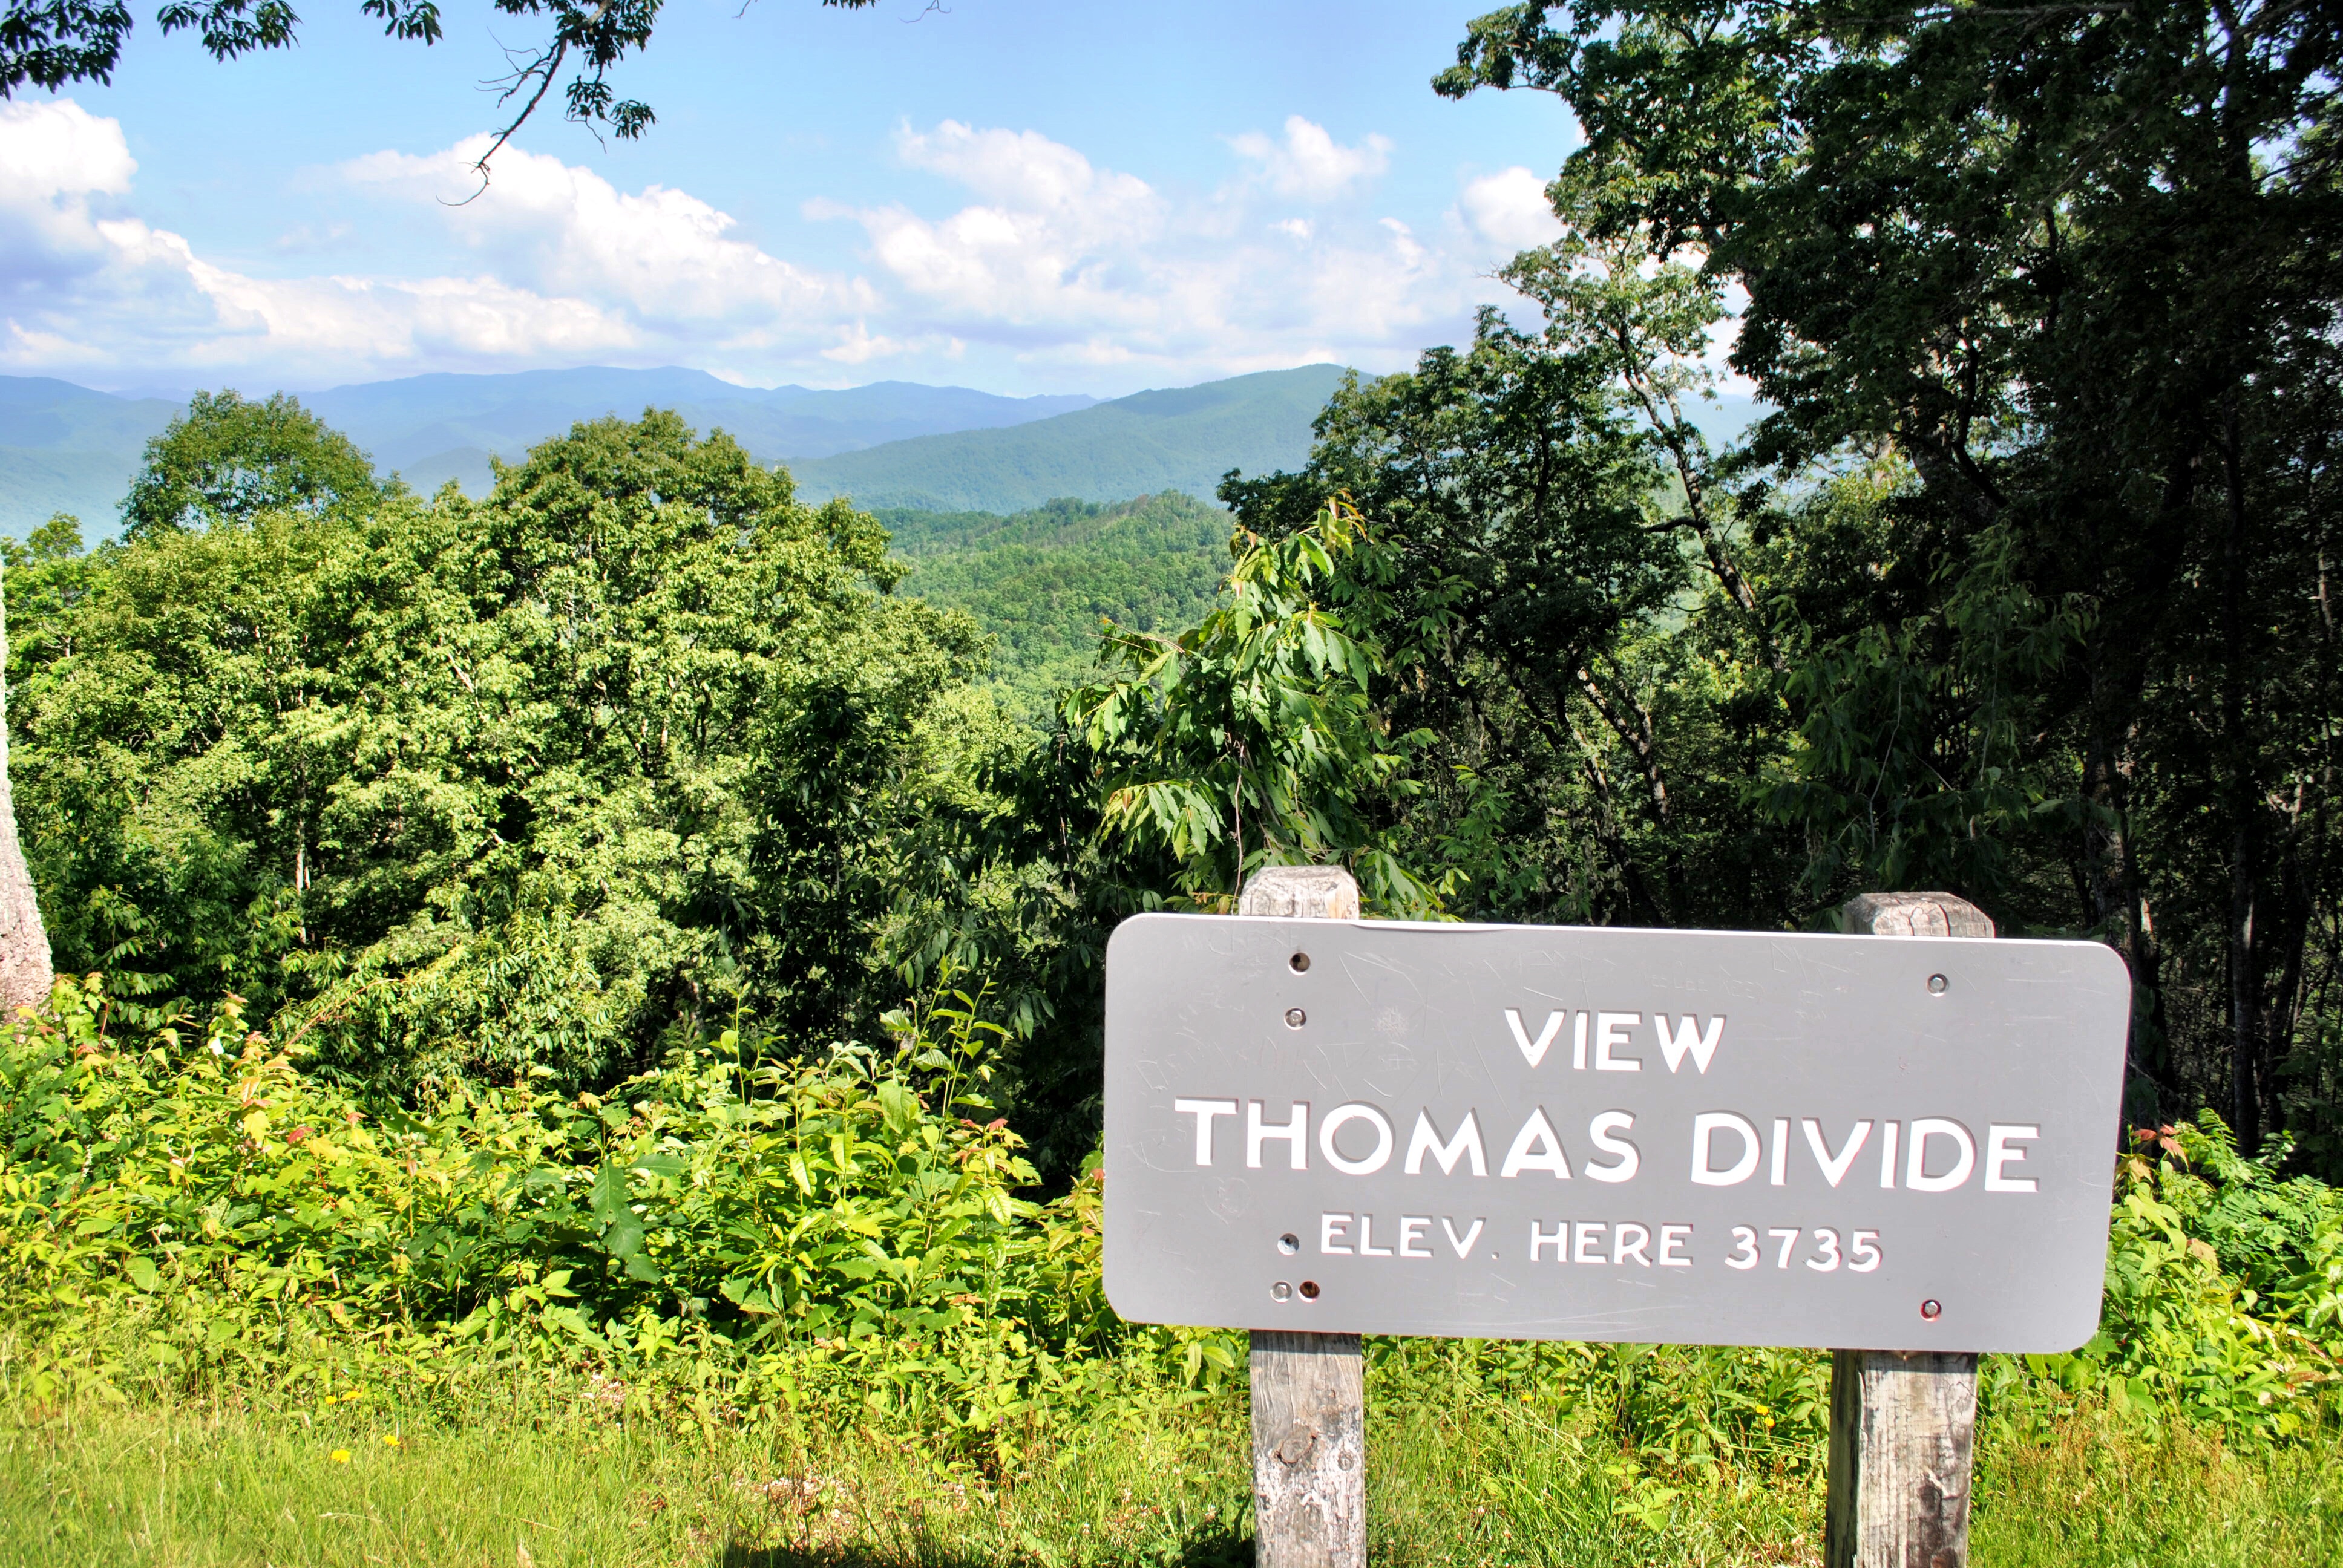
x: 1570, y: 1132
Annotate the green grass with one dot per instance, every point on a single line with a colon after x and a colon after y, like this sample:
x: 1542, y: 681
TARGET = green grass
x: 2181, y: 1501
x: 540, y: 1475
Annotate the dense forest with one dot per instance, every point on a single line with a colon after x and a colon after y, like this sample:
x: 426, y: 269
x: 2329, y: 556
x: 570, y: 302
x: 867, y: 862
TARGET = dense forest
x: 1044, y: 583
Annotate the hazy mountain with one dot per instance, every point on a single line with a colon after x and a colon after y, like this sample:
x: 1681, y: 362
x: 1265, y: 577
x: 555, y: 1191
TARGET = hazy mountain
x: 421, y: 420
x: 1142, y: 445
x: 891, y: 444
x: 64, y: 448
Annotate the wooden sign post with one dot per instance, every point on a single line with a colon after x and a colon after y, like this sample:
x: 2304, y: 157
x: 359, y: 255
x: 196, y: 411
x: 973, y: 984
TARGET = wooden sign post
x: 1902, y: 1424
x: 1319, y: 1127
x: 1309, y: 1391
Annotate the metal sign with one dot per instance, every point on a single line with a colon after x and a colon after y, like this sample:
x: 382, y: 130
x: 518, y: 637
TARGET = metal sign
x: 1576, y: 1133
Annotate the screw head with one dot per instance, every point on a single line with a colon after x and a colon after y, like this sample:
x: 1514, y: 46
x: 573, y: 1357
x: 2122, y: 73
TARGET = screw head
x: 1280, y: 1291
x: 1301, y: 962
x: 1295, y: 1018
x: 1936, y: 984
x: 1931, y: 1309
x: 1308, y: 1290
x: 1288, y: 1244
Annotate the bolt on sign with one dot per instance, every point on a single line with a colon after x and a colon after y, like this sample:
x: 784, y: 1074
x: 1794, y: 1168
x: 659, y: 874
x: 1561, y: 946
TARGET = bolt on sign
x: 1573, y: 1132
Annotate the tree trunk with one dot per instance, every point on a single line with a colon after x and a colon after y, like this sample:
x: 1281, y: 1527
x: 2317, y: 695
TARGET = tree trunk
x: 2245, y: 1087
x: 25, y: 972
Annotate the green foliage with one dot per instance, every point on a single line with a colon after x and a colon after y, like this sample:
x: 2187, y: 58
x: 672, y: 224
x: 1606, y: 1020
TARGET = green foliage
x: 1574, y: 633
x: 2220, y: 1305
x: 2022, y: 590
x: 1041, y: 581
x: 544, y: 781
x: 1250, y: 739
x: 2070, y: 281
x: 192, y: 1203
x: 1916, y: 762
x: 227, y: 460
x: 58, y: 539
x: 543, y: 1464
x: 850, y: 1239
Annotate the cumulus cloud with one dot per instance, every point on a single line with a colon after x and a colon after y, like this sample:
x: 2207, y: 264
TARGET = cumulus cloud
x: 1039, y: 247
x: 1039, y: 258
x: 1309, y: 164
x: 1509, y: 210
x: 84, y: 285
x: 53, y: 149
x: 58, y: 163
x: 1056, y: 260
x: 669, y: 258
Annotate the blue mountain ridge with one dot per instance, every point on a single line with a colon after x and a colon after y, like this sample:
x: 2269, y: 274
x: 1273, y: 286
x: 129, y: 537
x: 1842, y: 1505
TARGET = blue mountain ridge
x: 891, y: 444
x: 64, y: 448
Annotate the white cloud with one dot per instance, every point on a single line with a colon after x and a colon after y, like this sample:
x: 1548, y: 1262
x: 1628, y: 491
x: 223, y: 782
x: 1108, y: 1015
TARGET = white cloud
x: 861, y: 346
x: 1059, y: 261
x: 1309, y: 164
x: 1024, y: 170
x: 667, y: 257
x: 54, y: 158
x: 1045, y: 269
x: 1509, y: 210
x: 566, y: 268
x: 59, y: 148
x: 1044, y: 245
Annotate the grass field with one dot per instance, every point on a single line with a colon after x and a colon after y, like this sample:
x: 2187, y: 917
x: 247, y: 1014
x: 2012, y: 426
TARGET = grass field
x: 530, y: 1481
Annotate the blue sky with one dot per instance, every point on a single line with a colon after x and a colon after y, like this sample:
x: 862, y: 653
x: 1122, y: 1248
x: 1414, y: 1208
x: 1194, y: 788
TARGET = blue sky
x: 1023, y: 195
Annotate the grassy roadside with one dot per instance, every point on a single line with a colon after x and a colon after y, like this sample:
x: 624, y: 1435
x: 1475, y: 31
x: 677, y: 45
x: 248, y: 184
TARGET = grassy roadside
x: 527, y: 1483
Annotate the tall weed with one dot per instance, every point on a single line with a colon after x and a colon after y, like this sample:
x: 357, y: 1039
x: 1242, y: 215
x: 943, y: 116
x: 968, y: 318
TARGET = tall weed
x: 752, y: 1234
x: 852, y: 1239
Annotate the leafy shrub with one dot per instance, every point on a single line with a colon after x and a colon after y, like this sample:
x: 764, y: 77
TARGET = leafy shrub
x: 761, y: 1229
x: 636, y: 745
x: 852, y: 1239
x: 2221, y: 1297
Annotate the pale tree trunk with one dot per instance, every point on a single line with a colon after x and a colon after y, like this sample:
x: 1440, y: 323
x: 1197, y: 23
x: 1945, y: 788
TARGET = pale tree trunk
x: 25, y: 972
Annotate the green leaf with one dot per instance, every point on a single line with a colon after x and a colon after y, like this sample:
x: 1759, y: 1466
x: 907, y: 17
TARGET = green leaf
x: 898, y: 1105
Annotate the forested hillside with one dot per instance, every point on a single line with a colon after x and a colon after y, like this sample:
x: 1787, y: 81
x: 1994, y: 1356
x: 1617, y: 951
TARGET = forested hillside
x: 1182, y: 439
x: 1045, y: 583
x: 65, y: 448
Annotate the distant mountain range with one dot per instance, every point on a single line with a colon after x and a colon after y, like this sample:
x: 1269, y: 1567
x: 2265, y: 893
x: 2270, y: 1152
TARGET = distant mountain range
x: 64, y: 448
x: 889, y: 445
x: 431, y: 428
x: 1146, y: 443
